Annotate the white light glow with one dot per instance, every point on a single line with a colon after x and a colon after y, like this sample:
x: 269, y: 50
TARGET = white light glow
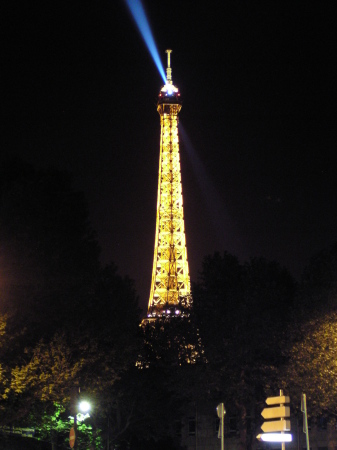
x: 84, y: 406
x: 81, y: 417
x: 169, y: 89
x: 276, y: 437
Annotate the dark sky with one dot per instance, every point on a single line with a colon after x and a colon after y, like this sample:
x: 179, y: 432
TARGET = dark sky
x: 258, y: 121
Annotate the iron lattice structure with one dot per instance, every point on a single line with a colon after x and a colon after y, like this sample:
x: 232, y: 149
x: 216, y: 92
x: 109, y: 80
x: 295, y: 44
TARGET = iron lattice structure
x: 170, y: 286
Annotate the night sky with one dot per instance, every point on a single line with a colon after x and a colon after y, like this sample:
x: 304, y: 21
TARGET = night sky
x: 258, y: 121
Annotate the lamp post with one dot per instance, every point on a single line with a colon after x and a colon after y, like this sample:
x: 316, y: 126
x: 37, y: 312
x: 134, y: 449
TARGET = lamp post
x: 75, y: 393
x: 81, y: 412
x: 81, y: 415
x: 75, y: 429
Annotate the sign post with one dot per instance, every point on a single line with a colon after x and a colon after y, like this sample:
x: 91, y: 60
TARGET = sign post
x: 221, y: 411
x: 75, y: 393
x: 305, y: 419
x: 277, y: 420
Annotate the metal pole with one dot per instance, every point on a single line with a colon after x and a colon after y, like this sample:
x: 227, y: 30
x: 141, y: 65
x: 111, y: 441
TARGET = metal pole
x: 223, y: 431
x: 305, y: 419
x: 75, y: 428
x: 283, y: 447
x: 74, y: 405
x: 221, y: 411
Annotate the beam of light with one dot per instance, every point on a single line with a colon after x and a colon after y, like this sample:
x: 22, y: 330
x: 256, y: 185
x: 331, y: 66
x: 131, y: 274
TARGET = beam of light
x: 138, y: 13
x: 223, y: 226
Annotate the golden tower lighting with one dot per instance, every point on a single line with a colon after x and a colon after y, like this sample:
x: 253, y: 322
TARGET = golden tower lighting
x: 170, y: 285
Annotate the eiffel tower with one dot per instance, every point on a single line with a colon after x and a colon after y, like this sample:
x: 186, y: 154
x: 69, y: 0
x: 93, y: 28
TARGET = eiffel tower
x: 170, y: 333
x: 170, y: 286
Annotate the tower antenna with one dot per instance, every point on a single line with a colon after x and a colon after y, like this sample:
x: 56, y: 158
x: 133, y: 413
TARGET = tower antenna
x: 168, y: 69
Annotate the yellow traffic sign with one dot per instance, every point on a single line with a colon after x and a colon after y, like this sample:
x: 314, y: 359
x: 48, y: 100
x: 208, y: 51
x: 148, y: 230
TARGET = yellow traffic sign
x: 276, y: 413
x: 278, y: 400
x: 276, y: 425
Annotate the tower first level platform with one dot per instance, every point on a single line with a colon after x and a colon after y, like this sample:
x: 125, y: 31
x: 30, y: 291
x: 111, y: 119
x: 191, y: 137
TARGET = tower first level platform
x: 170, y: 285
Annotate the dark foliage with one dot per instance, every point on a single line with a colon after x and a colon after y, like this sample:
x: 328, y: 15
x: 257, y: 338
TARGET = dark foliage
x: 318, y: 289
x: 69, y: 322
x: 311, y: 351
x: 49, y: 255
x: 242, y: 311
x: 8, y: 442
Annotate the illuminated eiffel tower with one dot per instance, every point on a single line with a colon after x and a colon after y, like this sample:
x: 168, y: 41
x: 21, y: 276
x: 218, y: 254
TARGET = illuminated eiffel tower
x: 170, y: 287
x: 169, y: 330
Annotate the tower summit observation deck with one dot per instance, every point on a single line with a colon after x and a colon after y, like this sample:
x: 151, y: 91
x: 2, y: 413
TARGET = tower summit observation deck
x: 170, y: 286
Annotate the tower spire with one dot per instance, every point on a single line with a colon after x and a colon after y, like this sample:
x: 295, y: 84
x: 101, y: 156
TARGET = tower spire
x: 168, y: 69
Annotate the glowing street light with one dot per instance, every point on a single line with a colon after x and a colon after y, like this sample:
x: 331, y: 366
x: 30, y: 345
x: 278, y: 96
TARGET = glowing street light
x: 81, y: 412
x: 84, y: 406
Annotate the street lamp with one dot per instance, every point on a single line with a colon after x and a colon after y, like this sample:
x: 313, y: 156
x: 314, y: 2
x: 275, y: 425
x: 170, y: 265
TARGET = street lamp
x: 84, y: 406
x: 80, y: 414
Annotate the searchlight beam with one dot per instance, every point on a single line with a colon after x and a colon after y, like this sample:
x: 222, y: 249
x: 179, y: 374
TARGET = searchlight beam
x: 138, y: 13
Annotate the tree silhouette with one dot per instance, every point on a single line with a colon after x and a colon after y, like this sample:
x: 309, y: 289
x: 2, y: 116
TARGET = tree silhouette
x: 242, y: 311
x: 69, y: 322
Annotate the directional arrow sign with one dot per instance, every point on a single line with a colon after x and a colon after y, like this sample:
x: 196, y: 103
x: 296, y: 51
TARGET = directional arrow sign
x: 278, y: 400
x: 276, y: 425
x: 276, y: 413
